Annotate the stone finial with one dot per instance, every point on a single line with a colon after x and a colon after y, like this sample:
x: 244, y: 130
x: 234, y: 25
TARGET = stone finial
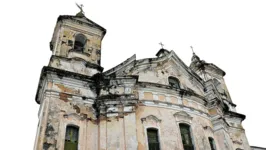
x: 194, y: 57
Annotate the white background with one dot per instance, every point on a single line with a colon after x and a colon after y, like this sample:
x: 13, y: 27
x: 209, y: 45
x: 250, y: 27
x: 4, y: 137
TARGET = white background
x: 229, y: 33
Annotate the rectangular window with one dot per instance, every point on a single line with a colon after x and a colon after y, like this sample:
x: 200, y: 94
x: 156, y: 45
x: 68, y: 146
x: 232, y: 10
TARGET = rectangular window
x: 153, y: 139
x: 71, y: 138
x: 186, y: 137
x: 211, y: 140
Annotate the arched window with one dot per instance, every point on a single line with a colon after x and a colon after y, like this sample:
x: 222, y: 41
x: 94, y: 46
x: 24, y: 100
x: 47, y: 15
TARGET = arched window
x: 153, y: 139
x: 80, y: 41
x: 212, y: 143
x: 186, y: 136
x: 71, y: 138
x: 174, y: 82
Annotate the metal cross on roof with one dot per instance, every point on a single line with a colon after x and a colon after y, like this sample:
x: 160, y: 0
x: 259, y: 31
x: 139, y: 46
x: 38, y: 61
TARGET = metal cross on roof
x: 80, y: 7
x: 161, y: 44
x: 192, y: 49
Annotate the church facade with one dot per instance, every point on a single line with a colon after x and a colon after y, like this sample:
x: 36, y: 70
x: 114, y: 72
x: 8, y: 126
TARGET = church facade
x: 156, y: 103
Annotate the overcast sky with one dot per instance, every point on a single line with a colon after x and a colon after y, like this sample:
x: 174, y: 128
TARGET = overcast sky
x: 229, y: 33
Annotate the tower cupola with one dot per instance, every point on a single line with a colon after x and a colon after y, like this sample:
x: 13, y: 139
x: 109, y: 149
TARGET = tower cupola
x: 76, y: 38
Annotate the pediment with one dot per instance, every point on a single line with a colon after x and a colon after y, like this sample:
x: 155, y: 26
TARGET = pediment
x: 123, y: 68
x: 151, y: 117
x: 177, y: 63
x: 181, y: 113
x: 182, y: 116
x: 157, y: 70
x: 75, y: 116
x: 169, y: 64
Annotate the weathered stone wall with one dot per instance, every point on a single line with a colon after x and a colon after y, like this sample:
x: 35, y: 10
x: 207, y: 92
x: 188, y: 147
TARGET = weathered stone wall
x: 72, y: 65
x: 223, y: 140
x: 122, y: 125
x: 167, y: 122
x: 65, y: 57
x: 238, y: 136
x: 117, y: 123
x: 118, y: 133
x: 64, y: 39
x: 58, y: 114
x: 113, y: 110
x: 171, y: 97
x: 66, y: 101
x: 161, y: 71
x: 92, y: 47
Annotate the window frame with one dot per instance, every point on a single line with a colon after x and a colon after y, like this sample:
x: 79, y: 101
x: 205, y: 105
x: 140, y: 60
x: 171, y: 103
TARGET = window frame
x: 213, y: 142
x: 85, y: 42
x: 146, y: 136
x: 158, y: 137
x: 78, y: 130
x: 176, y: 80
x: 190, y: 134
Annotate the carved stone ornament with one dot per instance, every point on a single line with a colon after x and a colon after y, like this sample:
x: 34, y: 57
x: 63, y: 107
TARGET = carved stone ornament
x: 237, y: 142
x: 151, y: 118
x: 183, y: 117
x: 75, y: 116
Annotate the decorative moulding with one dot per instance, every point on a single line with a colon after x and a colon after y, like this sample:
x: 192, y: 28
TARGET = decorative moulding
x: 182, y: 116
x: 151, y: 117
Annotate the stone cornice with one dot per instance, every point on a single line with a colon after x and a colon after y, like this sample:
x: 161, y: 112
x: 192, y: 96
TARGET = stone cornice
x: 115, y: 97
x: 78, y: 20
x: 220, y: 123
x: 87, y: 64
x: 181, y: 92
x: 235, y: 114
x: 61, y: 74
x: 160, y: 104
x: 215, y: 68
x: 261, y: 148
x: 231, y: 103
x: 83, y: 29
x: 121, y: 65
x: 77, y: 98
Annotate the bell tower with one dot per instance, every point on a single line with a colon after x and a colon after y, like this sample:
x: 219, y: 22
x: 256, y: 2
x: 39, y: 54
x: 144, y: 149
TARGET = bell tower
x: 67, y: 88
x: 76, y: 44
